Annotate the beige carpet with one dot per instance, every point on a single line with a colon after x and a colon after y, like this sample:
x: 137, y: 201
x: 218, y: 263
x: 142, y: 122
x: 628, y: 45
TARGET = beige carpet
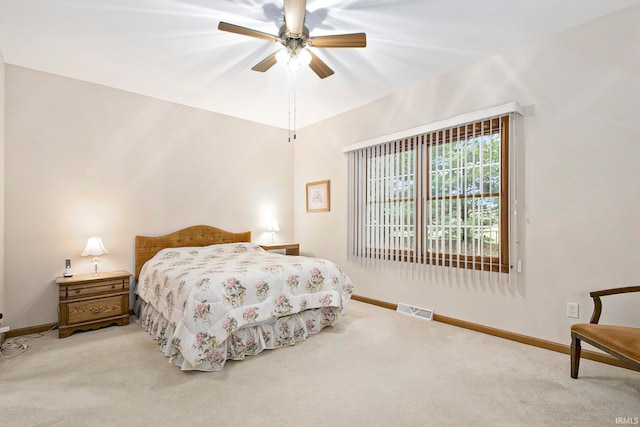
x: 375, y: 368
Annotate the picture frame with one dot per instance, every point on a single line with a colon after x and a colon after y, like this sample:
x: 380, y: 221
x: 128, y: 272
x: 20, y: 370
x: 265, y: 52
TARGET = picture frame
x: 318, y: 196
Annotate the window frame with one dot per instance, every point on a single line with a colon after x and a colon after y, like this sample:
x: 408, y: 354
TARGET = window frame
x: 487, y: 263
x: 421, y: 196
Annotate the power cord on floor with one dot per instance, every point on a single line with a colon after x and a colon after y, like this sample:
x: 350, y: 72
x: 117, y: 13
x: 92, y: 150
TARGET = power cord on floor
x: 16, y: 346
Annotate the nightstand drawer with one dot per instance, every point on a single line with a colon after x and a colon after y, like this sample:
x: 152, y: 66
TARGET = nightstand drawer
x: 102, y: 308
x: 106, y: 286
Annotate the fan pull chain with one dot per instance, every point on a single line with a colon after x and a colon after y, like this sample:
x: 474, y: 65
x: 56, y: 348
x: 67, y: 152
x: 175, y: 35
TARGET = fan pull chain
x: 292, y: 102
x: 289, y: 124
x: 289, y: 113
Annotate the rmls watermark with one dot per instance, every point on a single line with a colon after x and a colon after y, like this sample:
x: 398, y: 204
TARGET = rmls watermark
x: 628, y: 420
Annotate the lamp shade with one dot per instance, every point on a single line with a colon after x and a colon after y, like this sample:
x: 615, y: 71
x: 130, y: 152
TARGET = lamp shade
x: 282, y: 57
x: 94, y: 247
x: 272, y: 225
x: 294, y: 64
x: 304, y: 56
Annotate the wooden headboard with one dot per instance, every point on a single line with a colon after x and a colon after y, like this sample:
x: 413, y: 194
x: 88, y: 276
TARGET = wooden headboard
x: 198, y: 235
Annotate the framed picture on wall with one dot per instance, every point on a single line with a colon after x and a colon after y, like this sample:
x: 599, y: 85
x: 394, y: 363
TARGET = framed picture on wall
x: 318, y: 196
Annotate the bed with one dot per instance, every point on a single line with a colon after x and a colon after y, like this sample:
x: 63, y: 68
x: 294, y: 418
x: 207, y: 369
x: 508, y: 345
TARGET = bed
x: 207, y: 296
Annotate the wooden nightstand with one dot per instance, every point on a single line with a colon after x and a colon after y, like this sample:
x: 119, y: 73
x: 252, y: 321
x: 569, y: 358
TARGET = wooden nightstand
x: 89, y: 301
x: 289, y: 248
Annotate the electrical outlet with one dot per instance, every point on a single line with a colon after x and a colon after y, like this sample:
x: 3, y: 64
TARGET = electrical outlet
x: 573, y: 310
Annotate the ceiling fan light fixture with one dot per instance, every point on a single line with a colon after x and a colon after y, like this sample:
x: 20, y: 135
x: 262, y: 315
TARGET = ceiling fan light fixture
x: 294, y: 64
x: 282, y: 56
x: 304, y: 56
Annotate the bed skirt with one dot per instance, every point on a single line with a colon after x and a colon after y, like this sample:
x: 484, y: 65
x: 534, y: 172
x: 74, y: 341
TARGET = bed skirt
x: 247, y: 341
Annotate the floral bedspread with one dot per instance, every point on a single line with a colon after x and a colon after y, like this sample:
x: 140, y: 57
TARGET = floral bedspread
x: 206, y: 295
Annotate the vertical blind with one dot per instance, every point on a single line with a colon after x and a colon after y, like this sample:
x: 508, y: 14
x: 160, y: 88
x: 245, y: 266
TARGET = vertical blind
x: 438, y: 199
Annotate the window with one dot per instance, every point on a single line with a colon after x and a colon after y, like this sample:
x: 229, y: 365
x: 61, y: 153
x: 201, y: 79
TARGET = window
x: 439, y: 197
x: 390, y: 224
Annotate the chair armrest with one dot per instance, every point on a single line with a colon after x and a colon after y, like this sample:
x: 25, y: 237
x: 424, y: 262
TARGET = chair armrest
x: 597, y: 304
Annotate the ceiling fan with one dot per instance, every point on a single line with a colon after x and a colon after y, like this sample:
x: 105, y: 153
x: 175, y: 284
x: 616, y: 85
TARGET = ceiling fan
x: 294, y: 36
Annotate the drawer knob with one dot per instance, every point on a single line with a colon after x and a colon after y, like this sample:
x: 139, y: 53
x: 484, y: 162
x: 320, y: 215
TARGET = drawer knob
x: 77, y: 291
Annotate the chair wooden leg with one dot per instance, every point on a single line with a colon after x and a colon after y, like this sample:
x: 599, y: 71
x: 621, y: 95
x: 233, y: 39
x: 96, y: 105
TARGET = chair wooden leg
x: 575, y: 355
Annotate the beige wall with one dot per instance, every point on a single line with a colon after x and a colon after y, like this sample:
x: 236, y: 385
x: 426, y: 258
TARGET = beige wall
x: 2, y: 281
x: 579, y: 176
x: 84, y: 160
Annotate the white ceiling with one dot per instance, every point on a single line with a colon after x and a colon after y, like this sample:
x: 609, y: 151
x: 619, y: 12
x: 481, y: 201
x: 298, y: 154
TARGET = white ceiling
x: 172, y: 50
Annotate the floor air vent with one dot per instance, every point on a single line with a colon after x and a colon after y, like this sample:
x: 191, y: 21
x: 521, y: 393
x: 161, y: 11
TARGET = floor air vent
x: 422, y: 313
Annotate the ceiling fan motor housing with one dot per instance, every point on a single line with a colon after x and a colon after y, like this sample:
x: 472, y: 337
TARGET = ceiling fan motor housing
x: 293, y: 42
